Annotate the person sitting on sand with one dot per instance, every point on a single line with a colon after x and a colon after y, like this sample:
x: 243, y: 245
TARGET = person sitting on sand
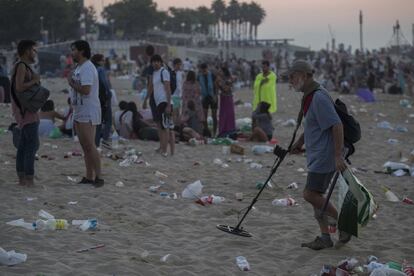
x: 47, y: 117
x: 262, y: 129
x: 192, y: 93
x: 141, y: 129
x: 125, y: 124
x: 123, y: 105
x: 192, y: 127
x: 67, y: 125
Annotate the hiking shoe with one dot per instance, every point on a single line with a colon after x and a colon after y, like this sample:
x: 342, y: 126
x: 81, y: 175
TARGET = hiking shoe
x: 99, y: 182
x: 344, y: 238
x: 86, y: 181
x: 318, y: 244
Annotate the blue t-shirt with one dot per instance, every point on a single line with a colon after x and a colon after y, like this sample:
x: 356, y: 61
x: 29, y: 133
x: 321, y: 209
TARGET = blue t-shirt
x: 319, y: 119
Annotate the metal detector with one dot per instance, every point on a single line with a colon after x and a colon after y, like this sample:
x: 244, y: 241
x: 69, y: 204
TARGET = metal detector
x: 280, y: 156
x: 237, y: 230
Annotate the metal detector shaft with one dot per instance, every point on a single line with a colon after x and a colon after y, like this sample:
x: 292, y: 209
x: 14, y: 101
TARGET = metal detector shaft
x: 331, y: 188
x: 261, y: 189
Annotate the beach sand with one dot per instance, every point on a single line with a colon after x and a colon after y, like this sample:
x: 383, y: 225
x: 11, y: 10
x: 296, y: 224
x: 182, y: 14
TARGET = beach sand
x: 138, y: 227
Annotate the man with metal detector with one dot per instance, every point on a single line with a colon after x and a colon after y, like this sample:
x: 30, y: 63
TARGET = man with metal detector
x: 324, y: 142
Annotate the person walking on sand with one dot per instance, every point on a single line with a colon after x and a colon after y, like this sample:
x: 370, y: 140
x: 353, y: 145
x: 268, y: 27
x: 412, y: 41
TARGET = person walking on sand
x: 87, y: 109
x: 323, y: 140
x: 27, y: 122
x: 265, y: 88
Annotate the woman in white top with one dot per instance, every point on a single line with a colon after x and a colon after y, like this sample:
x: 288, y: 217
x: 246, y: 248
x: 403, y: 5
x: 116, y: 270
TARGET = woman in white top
x: 86, y: 109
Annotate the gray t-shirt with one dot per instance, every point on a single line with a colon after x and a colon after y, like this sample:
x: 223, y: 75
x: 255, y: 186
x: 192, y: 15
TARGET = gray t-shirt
x: 319, y: 119
x: 86, y: 108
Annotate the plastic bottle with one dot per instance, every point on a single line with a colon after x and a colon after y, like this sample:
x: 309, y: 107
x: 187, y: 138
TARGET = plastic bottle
x: 212, y: 199
x: 284, y: 202
x: 256, y: 166
x: 373, y: 265
x: 51, y: 224
x: 115, y: 140
x: 89, y: 224
x: 160, y: 174
x: 261, y: 149
x: 242, y: 263
x: 390, y: 195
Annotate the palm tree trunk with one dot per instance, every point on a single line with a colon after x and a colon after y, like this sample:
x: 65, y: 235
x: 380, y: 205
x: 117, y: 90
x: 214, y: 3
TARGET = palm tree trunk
x: 255, y: 32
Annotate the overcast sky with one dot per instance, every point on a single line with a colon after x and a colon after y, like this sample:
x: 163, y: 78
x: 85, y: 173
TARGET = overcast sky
x: 307, y: 21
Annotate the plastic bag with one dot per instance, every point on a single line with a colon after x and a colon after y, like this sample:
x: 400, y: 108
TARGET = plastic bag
x: 11, y: 257
x: 193, y: 190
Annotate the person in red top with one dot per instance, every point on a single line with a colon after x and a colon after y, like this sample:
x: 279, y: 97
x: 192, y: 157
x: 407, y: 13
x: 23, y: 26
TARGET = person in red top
x: 27, y: 122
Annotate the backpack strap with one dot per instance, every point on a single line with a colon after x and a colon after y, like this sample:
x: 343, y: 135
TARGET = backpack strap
x: 122, y: 115
x: 301, y: 113
x: 13, y: 84
x: 162, y: 78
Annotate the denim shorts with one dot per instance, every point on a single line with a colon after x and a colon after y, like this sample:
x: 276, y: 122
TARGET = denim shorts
x: 318, y: 182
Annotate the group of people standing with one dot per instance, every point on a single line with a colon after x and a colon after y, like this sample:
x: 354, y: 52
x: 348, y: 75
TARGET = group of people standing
x: 180, y: 101
x: 87, y: 113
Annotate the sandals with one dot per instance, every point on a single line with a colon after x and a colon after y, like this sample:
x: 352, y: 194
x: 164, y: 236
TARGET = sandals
x: 97, y: 183
x: 86, y: 181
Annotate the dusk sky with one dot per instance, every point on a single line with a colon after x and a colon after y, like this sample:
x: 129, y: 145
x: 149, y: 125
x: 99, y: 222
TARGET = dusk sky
x: 307, y: 21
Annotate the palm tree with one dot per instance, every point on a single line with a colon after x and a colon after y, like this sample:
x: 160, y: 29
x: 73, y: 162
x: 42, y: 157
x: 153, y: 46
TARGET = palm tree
x: 205, y: 19
x: 218, y: 8
x: 257, y: 14
x: 244, y: 18
x: 233, y: 11
x: 226, y: 22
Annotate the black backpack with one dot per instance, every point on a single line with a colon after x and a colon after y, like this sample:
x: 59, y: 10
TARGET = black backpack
x: 352, y: 129
x: 173, y: 79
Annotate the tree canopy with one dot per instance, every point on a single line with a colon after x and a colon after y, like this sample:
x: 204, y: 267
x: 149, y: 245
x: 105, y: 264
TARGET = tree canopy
x: 127, y: 18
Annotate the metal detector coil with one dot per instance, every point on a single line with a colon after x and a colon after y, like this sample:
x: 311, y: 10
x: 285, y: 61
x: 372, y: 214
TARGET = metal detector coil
x: 234, y: 231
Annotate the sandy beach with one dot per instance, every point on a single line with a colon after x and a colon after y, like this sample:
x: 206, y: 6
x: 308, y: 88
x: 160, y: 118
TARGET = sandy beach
x: 139, y: 227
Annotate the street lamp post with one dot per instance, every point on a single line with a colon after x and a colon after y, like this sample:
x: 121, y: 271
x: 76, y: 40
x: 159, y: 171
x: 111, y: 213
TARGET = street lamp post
x: 41, y: 24
x: 112, y: 28
x: 183, y: 26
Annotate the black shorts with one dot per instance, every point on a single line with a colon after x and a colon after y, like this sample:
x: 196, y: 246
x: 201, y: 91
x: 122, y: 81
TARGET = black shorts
x: 209, y: 102
x: 160, y: 111
x: 318, y: 182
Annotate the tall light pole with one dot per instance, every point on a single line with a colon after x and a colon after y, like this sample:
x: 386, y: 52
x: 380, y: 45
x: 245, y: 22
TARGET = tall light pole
x: 82, y: 21
x: 112, y: 28
x: 41, y: 24
x: 361, y: 39
x: 413, y: 35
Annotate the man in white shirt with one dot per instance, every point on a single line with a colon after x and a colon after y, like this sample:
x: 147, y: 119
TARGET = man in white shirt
x: 86, y: 109
x: 162, y: 97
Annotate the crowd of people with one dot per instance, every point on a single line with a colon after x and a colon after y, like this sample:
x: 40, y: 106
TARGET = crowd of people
x: 183, y: 100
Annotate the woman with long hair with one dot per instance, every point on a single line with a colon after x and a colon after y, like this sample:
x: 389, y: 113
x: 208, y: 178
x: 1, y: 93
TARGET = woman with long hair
x: 141, y: 129
x: 191, y: 93
x: 227, y: 120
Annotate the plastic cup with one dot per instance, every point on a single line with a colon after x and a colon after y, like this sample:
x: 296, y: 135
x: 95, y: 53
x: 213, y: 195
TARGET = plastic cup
x: 239, y: 196
x: 225, y: 150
